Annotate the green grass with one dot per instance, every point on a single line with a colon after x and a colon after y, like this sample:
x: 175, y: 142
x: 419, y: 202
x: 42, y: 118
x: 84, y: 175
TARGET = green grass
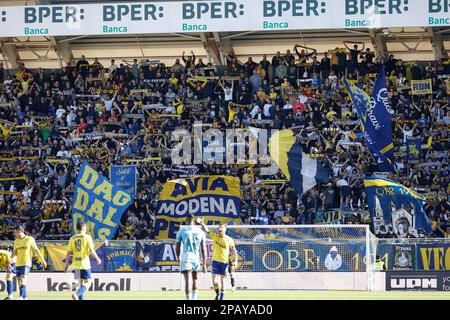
x: 249, y: 295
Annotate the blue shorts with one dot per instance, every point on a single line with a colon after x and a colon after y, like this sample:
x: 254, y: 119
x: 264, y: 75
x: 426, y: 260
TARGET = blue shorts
x: 190, y: 266
x: 219, y: 268
x: 21, y: 271
x: 82, y: 274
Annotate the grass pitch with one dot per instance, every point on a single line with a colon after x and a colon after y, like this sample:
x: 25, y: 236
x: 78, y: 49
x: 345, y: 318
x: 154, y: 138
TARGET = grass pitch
x: 249, y: 295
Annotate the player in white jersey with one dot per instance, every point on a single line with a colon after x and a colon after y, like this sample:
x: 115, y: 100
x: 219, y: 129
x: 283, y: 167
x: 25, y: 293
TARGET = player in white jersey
x: 192, y: 241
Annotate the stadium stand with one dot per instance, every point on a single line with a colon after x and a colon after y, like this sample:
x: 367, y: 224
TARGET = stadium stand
x: 124, y: 113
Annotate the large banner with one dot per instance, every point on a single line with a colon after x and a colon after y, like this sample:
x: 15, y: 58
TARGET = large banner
x: 159, y: 256
x: 121, y: 258
x: 214, y: 198
x: 56, y: 254
x: 308, y: 257
x: 433, y: 256
x: 99, y: 203
x: 395, y: 208
x: 124, y: 177
x: 218, y: 16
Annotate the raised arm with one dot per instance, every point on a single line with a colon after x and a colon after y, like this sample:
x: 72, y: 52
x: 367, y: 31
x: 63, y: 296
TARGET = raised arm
x: 296, y: 51
x: 202, y: 225
x: 204, y: 254
x: 37, y: 252
x: 345, y: 44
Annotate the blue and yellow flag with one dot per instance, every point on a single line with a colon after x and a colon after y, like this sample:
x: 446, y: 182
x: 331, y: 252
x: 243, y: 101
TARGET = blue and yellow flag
x: 302, y: 171
x: 413, y: 149
x: 217, y: 199
x: 98, y: 203
x: 395, y: 207
x: 56, y: 253
x: 374, y: 113
x: 121, y: 259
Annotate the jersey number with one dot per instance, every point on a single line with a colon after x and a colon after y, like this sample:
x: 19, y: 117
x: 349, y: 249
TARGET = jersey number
x: 78, y: 244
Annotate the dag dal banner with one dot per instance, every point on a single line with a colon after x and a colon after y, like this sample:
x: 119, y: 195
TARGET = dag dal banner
x: 99, y: 203
x: 217, y: 199
x: 218, y: 16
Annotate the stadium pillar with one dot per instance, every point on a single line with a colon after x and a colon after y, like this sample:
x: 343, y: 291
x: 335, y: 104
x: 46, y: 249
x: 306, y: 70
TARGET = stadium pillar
x: 436, y: 43
x: 225, y: 46
x: 64, y: 51
x: 10, y: 51
x: 379, y: 43
x: 212, y: 48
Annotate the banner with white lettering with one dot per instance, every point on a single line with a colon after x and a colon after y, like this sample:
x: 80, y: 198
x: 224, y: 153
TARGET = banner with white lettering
x: 124, y: 177
x: 217, y: 199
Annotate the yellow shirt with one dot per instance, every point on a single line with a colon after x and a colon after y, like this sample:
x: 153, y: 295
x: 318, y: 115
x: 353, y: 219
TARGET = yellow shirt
x: 231, y: 113
x: 221, y: 247
x: 5, y: 257
x: 24, y: 251
x: 80, y: 246
x: 273, y: 95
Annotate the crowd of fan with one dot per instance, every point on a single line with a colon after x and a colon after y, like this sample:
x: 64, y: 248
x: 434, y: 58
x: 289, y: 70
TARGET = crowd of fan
x: 120, y: 114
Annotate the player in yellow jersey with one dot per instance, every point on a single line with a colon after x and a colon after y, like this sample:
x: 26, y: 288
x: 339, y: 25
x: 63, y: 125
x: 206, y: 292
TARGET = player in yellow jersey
x: 81, y: 247
x: 7, y: 264
x: 24, y: 249
x: 222, y: 244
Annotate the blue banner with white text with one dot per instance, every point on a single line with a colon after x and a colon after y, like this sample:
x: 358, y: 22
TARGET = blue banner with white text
x: 375, y: 115
x: 124, y: 177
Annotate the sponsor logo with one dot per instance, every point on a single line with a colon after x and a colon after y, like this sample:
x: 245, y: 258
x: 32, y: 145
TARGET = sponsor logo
x: 418, y: 281
x: 124, y: 284
x: 414, y: 283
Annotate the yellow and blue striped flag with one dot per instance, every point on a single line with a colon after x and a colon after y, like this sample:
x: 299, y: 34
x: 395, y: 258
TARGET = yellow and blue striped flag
x: 302, y: 171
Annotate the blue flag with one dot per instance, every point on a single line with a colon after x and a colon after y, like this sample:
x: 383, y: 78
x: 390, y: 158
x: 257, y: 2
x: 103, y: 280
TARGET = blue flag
x: 393, y: 207
x: 99, y: 203
x: 374, y: 113
x: 413, y: 149
x: 124, y: 177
